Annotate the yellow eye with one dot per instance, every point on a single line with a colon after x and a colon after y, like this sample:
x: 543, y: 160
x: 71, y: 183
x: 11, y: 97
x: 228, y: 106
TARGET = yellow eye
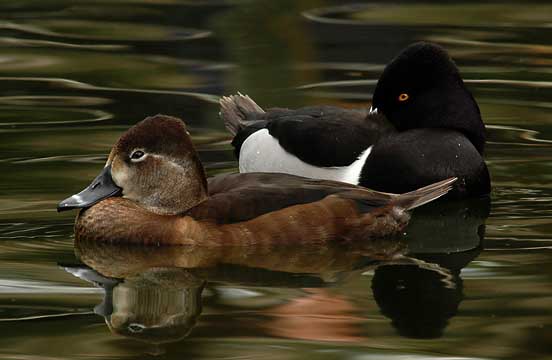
x: 403, y: 97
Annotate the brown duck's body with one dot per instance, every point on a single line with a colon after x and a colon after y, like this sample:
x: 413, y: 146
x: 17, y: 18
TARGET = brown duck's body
x: 119, y: 220
x: 254, y: 213
x: 166, y: 200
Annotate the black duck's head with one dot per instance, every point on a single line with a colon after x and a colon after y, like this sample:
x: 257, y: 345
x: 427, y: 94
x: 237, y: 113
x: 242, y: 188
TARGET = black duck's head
x: 422, y: 88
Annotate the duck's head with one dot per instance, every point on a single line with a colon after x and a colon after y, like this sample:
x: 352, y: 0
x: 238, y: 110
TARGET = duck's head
x: 153, y: 164
x: 422, y: 88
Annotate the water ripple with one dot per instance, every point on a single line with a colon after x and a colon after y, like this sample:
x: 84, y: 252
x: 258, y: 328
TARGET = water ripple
x: 25, y: 230
x: 371, y: 82
x: 73, y: 115
x: 16, y: 62
x: 519, y: 48
x: 475, y: 15
x: 42, y: 287
x: 104, y: 30
x: 54, y: 100
x: 11, y: 41
x: 73, y: 84
x: 531, y: 136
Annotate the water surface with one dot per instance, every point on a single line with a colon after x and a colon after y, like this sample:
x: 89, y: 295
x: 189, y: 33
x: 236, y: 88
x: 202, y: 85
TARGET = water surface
x: 74, y: 75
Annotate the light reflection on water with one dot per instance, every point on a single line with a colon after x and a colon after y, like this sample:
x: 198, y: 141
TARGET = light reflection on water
x: 74, y: 76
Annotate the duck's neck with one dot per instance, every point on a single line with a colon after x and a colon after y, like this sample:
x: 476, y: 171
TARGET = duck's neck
x: 459, y: 112
x: 466, y: 117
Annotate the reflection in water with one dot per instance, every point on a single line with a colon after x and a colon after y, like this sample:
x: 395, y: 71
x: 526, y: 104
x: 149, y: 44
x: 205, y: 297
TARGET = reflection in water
x: 120, y: 261
x: 157, y: 306
x: 448, y: 227
x: 421, y: 299
x: 154, y: 294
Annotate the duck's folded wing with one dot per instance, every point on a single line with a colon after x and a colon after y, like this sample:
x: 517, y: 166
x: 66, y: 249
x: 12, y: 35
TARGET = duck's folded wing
x: 325, y: 135
x: 318, y: 135
x: 242, y: 197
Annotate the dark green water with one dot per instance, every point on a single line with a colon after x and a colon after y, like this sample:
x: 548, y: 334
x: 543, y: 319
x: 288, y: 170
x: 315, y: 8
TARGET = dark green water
x: 75, y: 74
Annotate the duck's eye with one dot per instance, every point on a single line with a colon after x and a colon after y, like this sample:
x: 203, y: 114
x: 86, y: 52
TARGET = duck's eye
x: 137, y: 155
x: 403, y: 97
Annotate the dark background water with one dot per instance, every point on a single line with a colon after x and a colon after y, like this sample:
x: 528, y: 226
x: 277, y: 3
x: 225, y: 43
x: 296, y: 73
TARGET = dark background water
x: 75, y: 74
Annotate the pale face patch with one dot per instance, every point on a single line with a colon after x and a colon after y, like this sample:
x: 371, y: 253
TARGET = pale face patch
x: 120, y: 173
x: 162, y: 184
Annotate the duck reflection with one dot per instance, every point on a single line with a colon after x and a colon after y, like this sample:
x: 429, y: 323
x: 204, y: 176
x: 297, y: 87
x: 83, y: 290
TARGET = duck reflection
x: 155, y: 294
x: 158, y: 306
x: 421, y: 298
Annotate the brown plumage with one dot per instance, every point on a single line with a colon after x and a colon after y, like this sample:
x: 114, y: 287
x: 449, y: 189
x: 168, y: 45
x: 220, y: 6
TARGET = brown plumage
x: 165, y: 200
x: 123, y: 261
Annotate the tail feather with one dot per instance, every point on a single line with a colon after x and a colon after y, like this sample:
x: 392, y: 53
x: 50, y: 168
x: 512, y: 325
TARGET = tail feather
x: 238, y: 111
x: 391, y: 216
x: 421, y: 196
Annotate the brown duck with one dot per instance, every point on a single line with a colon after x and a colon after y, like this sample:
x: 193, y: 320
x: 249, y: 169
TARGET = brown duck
x: 153, y: 191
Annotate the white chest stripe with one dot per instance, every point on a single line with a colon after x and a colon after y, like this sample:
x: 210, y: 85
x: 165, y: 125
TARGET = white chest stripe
x: 261, y: 152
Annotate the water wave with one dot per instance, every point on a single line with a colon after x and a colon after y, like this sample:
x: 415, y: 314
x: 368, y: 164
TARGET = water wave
x: 104, y: 30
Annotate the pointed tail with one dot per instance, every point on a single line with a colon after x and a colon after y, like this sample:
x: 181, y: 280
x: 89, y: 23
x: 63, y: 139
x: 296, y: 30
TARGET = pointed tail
x: 421, y: 196
x: 238, y: 111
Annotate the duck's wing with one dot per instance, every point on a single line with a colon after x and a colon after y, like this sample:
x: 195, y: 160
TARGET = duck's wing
x: 241, y: 197
x: 325, y: 135
x: 318, y: 135
x: 307, y: 211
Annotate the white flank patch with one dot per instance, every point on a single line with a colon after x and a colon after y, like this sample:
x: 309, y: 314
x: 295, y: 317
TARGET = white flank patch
x: 261, y: 152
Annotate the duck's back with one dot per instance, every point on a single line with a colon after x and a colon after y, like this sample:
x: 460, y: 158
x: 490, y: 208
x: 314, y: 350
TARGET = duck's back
x: 241, y: 197
x: 323, y: 142
x: 324, y: 136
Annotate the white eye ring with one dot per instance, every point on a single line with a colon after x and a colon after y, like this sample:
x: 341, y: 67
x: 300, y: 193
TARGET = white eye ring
x: 137, y: 155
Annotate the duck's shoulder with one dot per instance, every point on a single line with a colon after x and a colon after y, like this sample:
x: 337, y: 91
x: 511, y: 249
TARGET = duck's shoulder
x: 414, y: 158
x: 320, y: 135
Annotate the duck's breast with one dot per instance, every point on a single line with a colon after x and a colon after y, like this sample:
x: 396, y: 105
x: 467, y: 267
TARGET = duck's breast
x: 419, y: 157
